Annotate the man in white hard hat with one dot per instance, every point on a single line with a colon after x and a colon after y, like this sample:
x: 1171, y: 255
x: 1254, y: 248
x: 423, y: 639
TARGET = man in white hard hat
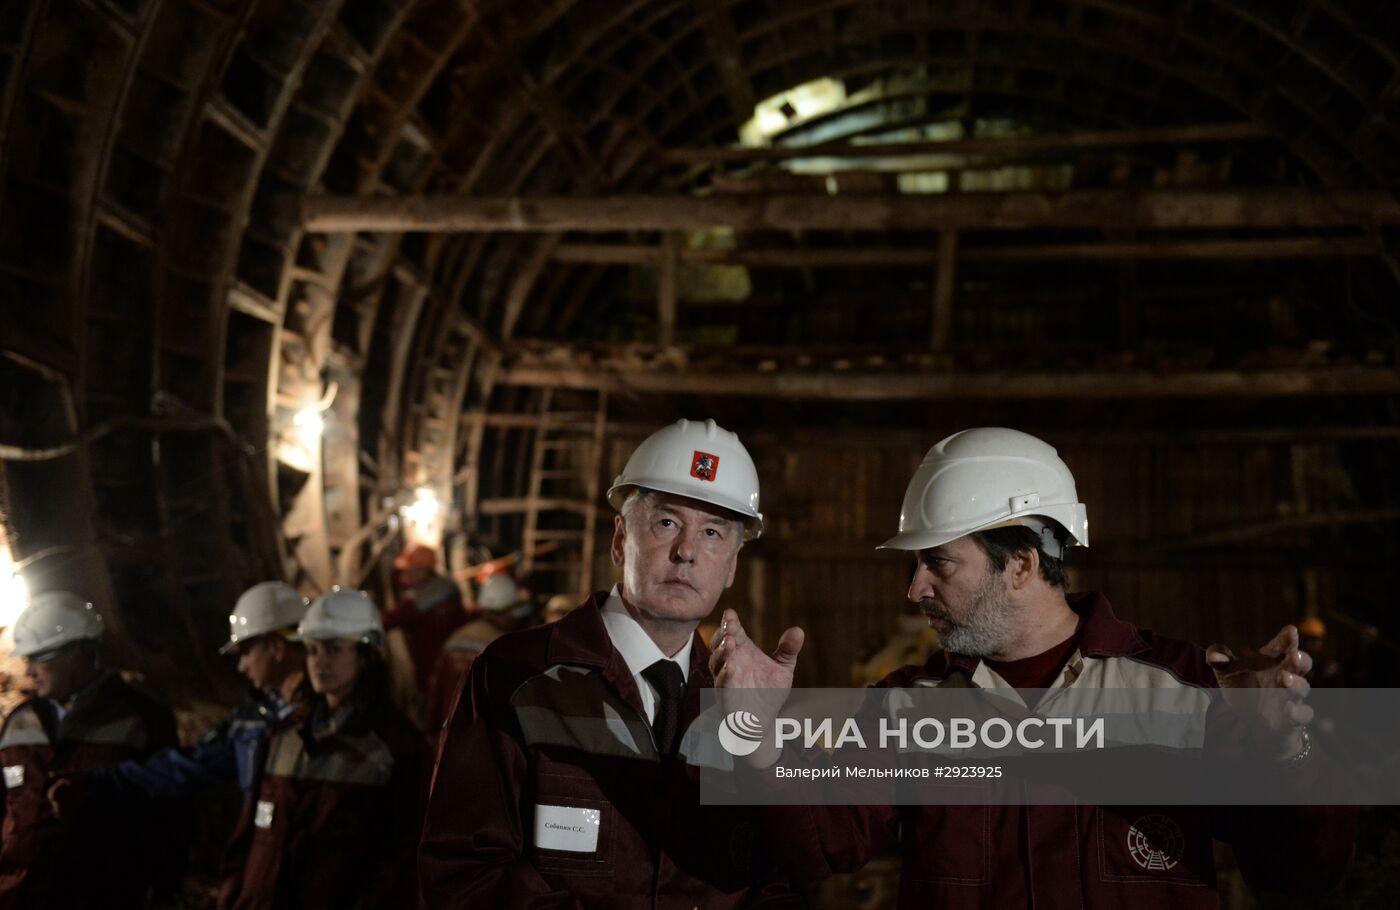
x: 80, y: 716
x: 563, y: 778
x: 988, y: 516
x: 261, y: 628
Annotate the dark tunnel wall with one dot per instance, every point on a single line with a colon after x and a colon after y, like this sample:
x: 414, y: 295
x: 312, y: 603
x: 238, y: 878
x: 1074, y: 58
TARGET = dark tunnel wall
x: 164, y: 317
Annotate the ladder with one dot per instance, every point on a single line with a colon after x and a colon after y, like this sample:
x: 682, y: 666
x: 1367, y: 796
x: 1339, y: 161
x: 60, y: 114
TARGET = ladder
x: 561, y: 507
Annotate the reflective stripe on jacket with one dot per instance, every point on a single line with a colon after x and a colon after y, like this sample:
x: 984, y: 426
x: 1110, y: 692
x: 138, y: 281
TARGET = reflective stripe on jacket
x: 549, y: 791
x: 966, y: 856
x: 96, y: 855
x: 334, y: 816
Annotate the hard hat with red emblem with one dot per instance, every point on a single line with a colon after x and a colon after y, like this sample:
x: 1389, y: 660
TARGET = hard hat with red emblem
x: 700, y: 461
x: 417, y: 556
x: 991, y: 477
x: 54, y: 619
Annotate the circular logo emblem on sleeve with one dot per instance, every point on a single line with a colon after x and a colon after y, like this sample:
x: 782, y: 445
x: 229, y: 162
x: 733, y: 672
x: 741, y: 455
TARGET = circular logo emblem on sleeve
x: 1155, y: 842
x: 740, y: 733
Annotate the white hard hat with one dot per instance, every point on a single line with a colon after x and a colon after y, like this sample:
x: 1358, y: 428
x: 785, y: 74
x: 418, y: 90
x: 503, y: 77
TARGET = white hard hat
x: 987, y: 478
x: 55, y: 619
x: 498, y: 592
x: 263, y: 608
x: 342, y: 613
x: 701, y: 461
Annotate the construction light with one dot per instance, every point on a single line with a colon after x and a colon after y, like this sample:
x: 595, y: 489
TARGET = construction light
x: 424, y: 509
x: 310, y: 423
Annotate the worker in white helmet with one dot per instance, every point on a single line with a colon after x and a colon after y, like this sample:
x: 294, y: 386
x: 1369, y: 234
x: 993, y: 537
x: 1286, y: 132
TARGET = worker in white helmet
x: 564, y: 777
x: 261, y: 628
x: 988, y: 517
x: 80, y: 715
x: 333, y: 816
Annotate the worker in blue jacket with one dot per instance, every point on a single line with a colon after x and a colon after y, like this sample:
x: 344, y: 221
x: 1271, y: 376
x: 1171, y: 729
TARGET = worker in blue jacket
x: 263, y: 619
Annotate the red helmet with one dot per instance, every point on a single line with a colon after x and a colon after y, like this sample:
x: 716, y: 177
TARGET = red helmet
x: 416, y: 557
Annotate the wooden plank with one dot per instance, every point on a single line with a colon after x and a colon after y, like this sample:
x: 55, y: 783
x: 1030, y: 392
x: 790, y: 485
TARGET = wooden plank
x: 900, y: 386
x: 512, y: 505
x: 668, y: 289
x: 1261, y: 248
x: 879, y: 257
x: 525, y: 281
x: 1060, y: 436
x: 1159, y: 209
x: 250, y: 303
x: 1000, y: 145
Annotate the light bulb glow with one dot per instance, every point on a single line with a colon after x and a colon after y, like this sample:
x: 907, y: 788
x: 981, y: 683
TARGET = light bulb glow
x: 310, y: 422
x: 424, y: 509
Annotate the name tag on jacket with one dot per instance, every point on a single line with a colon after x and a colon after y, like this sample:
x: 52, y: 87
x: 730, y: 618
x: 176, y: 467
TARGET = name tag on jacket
x: 567, y: 828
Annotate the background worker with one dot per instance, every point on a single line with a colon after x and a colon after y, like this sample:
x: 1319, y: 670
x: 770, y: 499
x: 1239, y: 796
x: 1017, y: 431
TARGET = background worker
x: 557, y: 607
x: 335, y: 809
x: 500, y: 609
x: 428, y: 608
x: 80, y: 716
x: 563, y: 779
x: 988, y: 516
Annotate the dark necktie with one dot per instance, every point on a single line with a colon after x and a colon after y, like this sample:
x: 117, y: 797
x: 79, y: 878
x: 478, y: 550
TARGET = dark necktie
x: 666, y: 677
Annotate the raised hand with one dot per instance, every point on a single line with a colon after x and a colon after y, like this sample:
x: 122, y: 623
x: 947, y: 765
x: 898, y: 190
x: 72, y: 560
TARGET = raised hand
x: 737, y: 663
x: 1277, y: 665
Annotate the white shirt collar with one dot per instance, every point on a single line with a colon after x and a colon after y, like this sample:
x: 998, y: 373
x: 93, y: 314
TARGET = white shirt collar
x: 633, y: 643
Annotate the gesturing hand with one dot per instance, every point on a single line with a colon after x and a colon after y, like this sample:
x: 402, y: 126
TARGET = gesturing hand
x: 737, y: 663
x: 1277, y: 665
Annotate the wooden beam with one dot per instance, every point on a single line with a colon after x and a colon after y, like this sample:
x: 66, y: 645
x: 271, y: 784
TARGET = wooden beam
x: 513, y: 505
x: 902, y: 386
x: 525, y: 281
x: 1000, y: 145
x: 945, y: 284
x: 667, y: 289
x: 723, y: 44
x: 880, y: 257
x: 1254, y: 530
x: 1116, y: 436
x: 1160, y: 209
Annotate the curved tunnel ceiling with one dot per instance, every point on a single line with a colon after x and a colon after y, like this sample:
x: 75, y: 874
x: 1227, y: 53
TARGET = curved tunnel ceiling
x: 162, y: 301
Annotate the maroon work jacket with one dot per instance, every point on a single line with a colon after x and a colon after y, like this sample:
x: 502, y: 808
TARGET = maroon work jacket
x: 549, y: 791
x: 95, y: 856
x: 332, y: 820
x: 427, y: 620
x: 1077, y: 856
